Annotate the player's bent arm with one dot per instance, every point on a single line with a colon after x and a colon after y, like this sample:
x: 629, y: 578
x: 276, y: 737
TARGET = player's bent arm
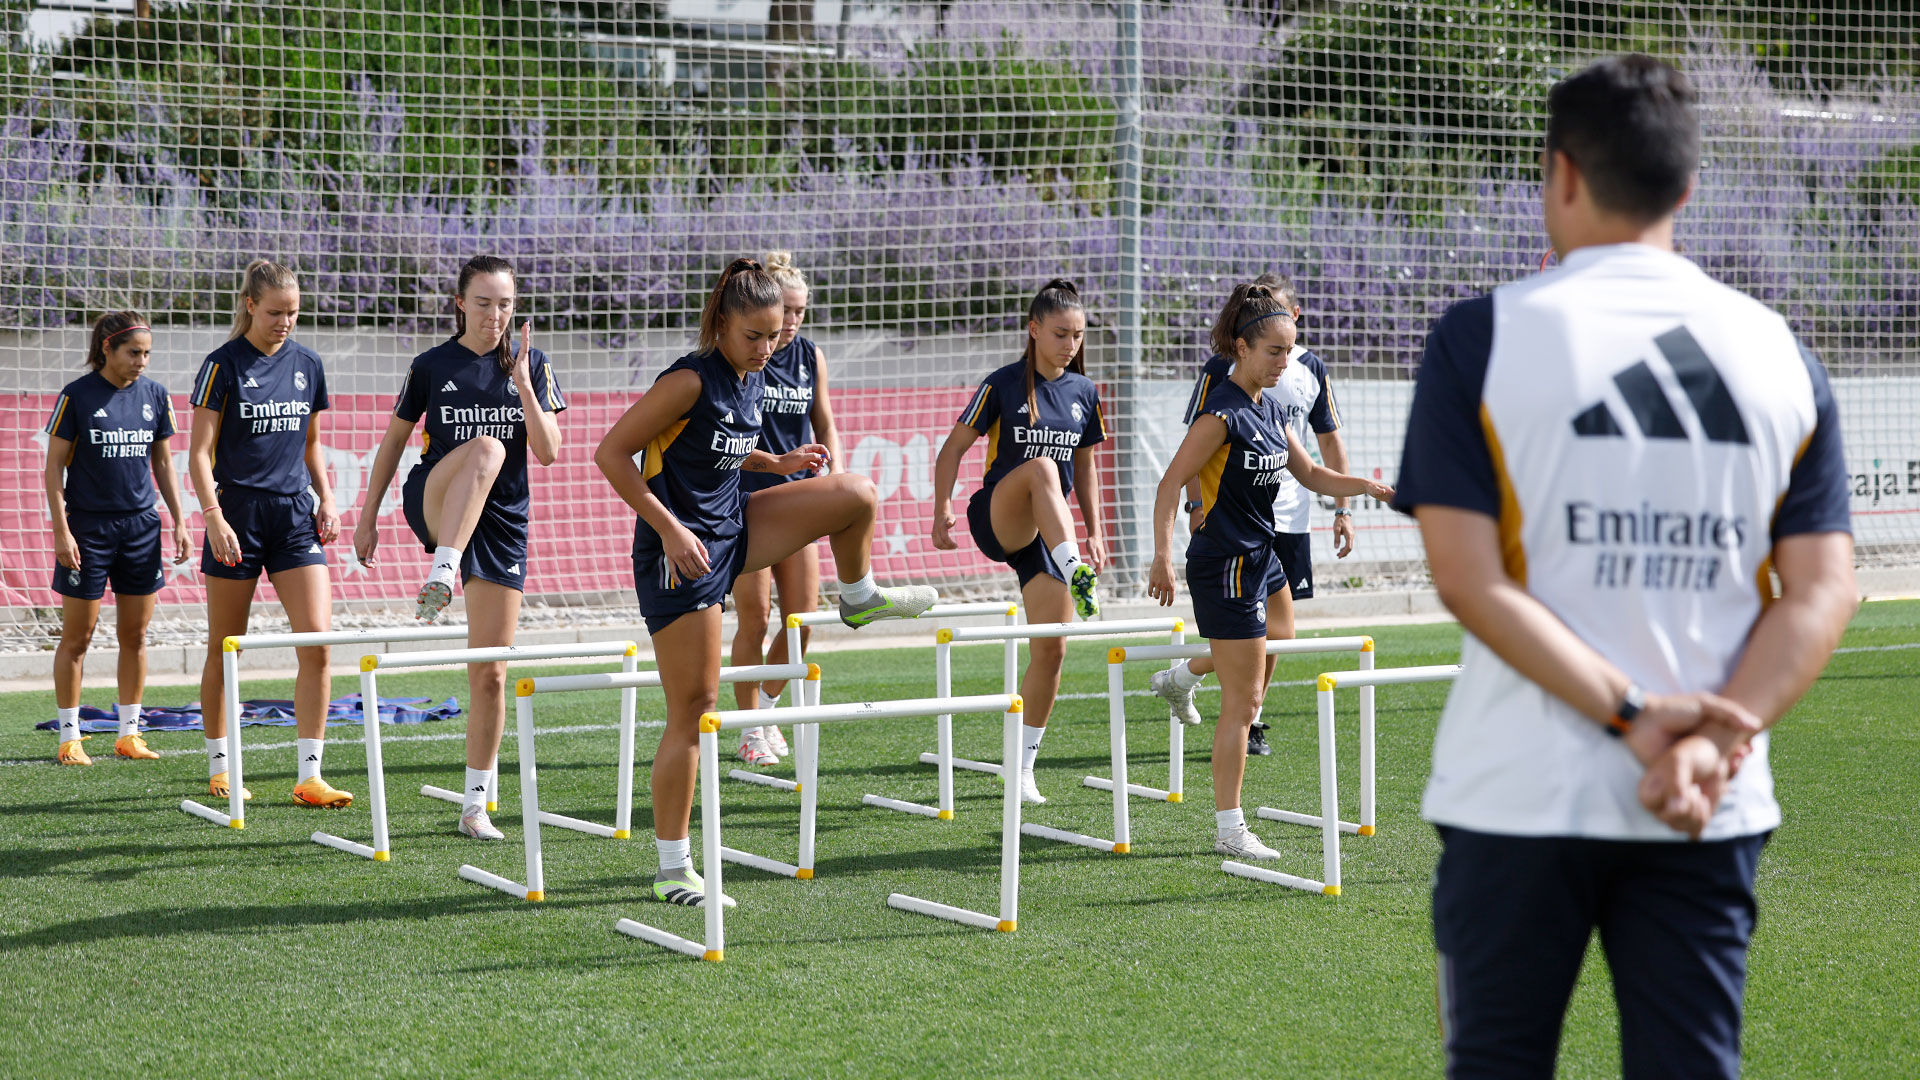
x: 1796, y: 634
x: 1324, y: 481
x: 200, y: 442
x: 1086, y: 490
x: 824, y: 430
x: 386, y: 462
x: 1206, y: 435
x: 543, y: 427
x: 644, y: 421
x: 1333, y: 454
x: 946, y: 467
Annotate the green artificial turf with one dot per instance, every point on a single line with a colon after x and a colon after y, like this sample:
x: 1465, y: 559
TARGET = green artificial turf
x: 138, y: 941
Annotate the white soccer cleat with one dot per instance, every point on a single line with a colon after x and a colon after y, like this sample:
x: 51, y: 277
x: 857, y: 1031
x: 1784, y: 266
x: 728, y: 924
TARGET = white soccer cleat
x: 1179, y: 702
x: 1029, y: 793
x: 475, y: 823
x: 433, y: 598
x: 754, y: 749
x: 1242, y: 844
x: 898, y: 602
x: 776, y: 742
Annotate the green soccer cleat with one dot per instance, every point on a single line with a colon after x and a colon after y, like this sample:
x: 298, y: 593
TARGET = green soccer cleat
x: 1080, y: 583
x: 899, y: 602
x: 684, y: 887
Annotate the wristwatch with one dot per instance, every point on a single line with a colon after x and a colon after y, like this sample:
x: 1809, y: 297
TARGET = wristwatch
x: 1631, y: 703
x: 1192, y: 506
x: 1342, y: 511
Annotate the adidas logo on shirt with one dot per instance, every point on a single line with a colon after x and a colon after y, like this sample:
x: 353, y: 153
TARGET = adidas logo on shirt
x: 727, y: 419
x: 314, y: 550
x: 514, y: 569
x: 449, y: 388
x: 1653, y: 412
x: 251, y: 383
x: 100, y: 414
x: 1021, y: 411
x: 1257, y: 438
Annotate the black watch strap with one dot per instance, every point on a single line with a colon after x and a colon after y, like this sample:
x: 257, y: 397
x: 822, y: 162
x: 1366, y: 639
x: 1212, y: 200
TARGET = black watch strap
x: 1631, y: 704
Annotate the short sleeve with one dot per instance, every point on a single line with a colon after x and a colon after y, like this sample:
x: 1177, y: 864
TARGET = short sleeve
x: 162, y: 413
x: 1202, y: 386
x: 62, y: 425
x: 210, y: 386
x: 321, y: 401
x: 1322, y: 416
x: 1446, y: 460
x: 984, y: 408
x: 545, y: 386
x: 1095, y: 431
x: 412, y: 403
x: 1817, y: 489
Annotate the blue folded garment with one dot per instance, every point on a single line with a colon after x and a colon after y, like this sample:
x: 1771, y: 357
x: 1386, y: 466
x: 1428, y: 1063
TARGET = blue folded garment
x: 268, y: 712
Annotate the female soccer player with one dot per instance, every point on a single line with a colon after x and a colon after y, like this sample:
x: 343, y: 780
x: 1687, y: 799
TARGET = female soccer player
x: 1237, y: 447
x: 698, y: 531
x: 253, y: 455
x: 486, y: 403
x: 1041, y: 416
x: 106, y: 446
x: 794, y: 411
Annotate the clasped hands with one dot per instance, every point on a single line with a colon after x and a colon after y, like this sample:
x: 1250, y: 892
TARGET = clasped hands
x: 1691, y: 746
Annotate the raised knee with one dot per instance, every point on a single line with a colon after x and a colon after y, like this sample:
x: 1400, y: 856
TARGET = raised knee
x: 861, y: 487
x: 490, y: 452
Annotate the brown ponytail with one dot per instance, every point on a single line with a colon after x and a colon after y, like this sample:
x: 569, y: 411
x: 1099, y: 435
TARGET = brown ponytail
x: 487, y: 264
x: 106, y: 329
x: 1055, y: 296
x: 1250, y: 307
x: 744, y: 286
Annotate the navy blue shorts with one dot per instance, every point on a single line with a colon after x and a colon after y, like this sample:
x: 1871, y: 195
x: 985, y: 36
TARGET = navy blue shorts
x: 497, y: 550
x: 276, y: 532
x: 665, y: 595
x: 1028, y: 563
x: 1512, y: 916
x: 1230, y: 593
x: 122, y: 549
x: 1295, y: 552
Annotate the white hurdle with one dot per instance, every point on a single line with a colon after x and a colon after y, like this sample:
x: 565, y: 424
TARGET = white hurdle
x: 1006, y: 609
x: 713, y: 947
x: 532, y: 817
x: 370, y: 666
x: 230, y: 649
x: 1328, y: 820
x: 1119, y: 656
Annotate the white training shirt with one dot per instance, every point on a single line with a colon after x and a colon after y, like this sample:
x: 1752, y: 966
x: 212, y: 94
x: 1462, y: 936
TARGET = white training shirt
x: 1643, y: 435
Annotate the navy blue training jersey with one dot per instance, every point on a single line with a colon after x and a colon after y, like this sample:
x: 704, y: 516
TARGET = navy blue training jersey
x: 265, y: 404
x: 786, y: 407
x: 1070, y: 418
x: 110, y: 470
x: 693, y: 467
x: 463, y: 396
x: 1238, y: 483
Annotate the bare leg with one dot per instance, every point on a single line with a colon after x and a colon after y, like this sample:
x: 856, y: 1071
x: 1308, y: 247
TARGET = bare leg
x: 688, y: 653
x: 798, y: 578
x: 307, y: 594
x: 493, y: 613
x: 784, y: 519
x: 77, y: 620
x: 1279, y: 628
x: 1241, y: 690
x: 1046, y: 600
x: 456, y: 490
x: 132, y: 615
x: 229, y: 602
x: 752, y: 604
x: 1028, y: 502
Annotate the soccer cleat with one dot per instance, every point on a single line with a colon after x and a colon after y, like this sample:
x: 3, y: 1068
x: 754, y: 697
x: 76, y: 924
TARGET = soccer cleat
x: 217, y: 787
x: 1242, y: 844
x: 1257, y: 740
x: 433, y: 599
x: 754, y: 749
x: 776, y: 742
x: 474, y: 822
x: 71, y: 753
x: 1179, y: 702
x: 684, y: 887
x: 314, y: 791
x: 1081, y: 582
x: 899, y: 602
x: 1029, y: 792
x: 135, y: 747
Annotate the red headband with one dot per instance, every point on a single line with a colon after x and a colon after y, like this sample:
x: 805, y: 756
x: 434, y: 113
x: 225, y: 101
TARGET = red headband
x: 125, y: 329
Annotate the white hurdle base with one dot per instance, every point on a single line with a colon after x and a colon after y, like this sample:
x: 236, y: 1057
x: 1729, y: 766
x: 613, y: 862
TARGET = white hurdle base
x: 746, y: 777
x: 1275, y: 877
x: 453, y: 797
x: 339, y: 843
x: 758, y: 862
x: 591, y: 828
x: 963, y: 763
x: 903, y: 902
x: 1065, y: 837
x: 211, y: 814
x: 495, y: 881
x: 1140, y: 791
x: 1311, y: 821
x: 906, y: 807
x: 660, y: 937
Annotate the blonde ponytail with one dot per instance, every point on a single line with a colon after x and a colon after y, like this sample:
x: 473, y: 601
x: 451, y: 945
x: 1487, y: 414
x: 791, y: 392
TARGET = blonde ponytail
x: 259, y: 278
x: 779, y: 266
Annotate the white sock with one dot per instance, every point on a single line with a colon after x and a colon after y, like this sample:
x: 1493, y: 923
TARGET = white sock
x: 1183, y: 676
x: 446, y: 565
x: 310, y: 751
x: 1030, y: 746
x: 475, y: 793
x: 69, y: 724
x: 674, y: 854
x: 1065, y: 554
x: 859, y: 592
x: 768, y: 701
x: 216, y: 756
x: 129, y: 719
x: 1229, y: 821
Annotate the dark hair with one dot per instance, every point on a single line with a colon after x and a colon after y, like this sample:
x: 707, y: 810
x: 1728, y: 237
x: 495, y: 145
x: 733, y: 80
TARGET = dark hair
x: 1054, y: 297
x: 1249, y: 307
x: 1629, y: 124
x: 108, y: 327
x: 259, y: 278
x: 744, y: 286
x: 474, y: 267
x: 1282, y: 287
